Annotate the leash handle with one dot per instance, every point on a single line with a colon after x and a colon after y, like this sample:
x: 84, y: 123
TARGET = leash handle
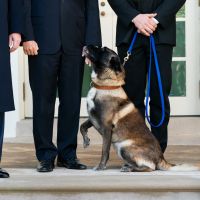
x: 152, y: 54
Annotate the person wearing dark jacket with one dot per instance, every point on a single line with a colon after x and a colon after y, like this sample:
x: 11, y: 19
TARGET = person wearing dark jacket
x: 56, y: 32
x: 11, y: 27
x: 157, y: 17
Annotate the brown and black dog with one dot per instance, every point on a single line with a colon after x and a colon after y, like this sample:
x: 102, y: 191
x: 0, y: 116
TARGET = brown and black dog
x: 117, y: 120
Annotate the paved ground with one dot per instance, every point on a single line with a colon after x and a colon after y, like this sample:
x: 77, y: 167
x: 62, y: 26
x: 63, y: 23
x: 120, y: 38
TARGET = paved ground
x: 19, y: 159
x: 23, y: 156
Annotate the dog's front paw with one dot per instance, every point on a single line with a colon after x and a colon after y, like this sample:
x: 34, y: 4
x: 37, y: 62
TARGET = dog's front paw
x: 100, y: 168
x: 86, y: 142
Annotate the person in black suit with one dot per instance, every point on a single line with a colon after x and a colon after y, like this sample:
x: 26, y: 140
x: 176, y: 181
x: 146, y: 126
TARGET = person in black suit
x: 11, y: 27
x: 156, y: 17
x: 56, y: 32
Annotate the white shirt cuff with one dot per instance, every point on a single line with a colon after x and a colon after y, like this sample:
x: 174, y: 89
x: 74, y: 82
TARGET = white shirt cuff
x: 156, y: 21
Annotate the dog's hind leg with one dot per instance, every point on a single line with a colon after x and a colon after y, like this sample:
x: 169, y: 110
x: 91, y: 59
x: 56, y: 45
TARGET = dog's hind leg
x: 134, y: 168
x: 126, y: 168
x: 131, y: 163
x: 84, y: 131
x: 141, y: 169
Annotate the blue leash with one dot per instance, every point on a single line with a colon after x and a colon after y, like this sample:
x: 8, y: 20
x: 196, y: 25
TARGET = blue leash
x: 152, y: 52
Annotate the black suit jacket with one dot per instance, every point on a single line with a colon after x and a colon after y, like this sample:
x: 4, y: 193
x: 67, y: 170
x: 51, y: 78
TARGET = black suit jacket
x: 69, y: 24
x: 11, y: 21
x: 166, y: 11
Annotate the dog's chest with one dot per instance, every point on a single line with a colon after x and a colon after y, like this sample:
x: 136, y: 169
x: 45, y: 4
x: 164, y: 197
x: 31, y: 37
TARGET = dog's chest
x: 90, y: 100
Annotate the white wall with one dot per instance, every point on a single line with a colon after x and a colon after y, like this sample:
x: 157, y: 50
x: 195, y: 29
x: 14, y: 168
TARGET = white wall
x: 13, y: 117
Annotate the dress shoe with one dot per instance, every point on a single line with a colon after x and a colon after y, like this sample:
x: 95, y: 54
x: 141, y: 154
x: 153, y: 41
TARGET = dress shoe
x: 45, y: 166
x: 4, y: 174
x: 71, y: 164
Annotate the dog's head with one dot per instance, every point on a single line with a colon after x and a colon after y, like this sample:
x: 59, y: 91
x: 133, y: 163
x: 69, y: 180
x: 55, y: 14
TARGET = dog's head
x: 107, y: 68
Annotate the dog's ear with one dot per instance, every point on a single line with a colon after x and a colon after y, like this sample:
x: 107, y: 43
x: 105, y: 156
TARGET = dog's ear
x: 93, y: 52
x: 115, y: 63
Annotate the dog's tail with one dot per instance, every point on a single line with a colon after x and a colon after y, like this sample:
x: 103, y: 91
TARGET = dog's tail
x: 165, y: 166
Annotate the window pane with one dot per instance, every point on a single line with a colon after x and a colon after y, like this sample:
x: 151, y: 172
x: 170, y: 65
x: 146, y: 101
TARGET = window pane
x: 178, y: 78
x: 179, y: 50
x: 86, y: 81
x: 181, y: 12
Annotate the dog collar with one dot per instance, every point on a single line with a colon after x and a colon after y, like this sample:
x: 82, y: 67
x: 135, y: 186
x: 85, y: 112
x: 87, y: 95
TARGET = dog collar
x: 99, y: 87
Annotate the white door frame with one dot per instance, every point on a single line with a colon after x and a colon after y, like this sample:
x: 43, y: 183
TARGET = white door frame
x: 190, y: 105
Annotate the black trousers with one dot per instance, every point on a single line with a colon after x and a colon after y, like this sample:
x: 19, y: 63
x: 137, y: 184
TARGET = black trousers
x: 2, y: 116
x: 49, y: 74
x: 136, y: 78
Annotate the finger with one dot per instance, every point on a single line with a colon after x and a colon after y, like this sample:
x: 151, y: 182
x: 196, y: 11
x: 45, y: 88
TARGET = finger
x: 36, y: 49
x: 10, y: 42
x: 16, y: 44
x: 12, y: 50
x: 150, y: 28
x: 36, y: 46
x: 25, y: 52
x: 86, y: 61
x: 32, y: 52
x: 151, y: 15
x: 144, y: 32
x: 35, y: 52
x: 153, y: 23
x: 29, y: 51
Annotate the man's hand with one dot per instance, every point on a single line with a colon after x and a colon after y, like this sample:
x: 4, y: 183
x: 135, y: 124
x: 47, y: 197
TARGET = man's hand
x: 145, y: 23
x: 30, y: 48
x: 88, y: 62
x: 14, y: 41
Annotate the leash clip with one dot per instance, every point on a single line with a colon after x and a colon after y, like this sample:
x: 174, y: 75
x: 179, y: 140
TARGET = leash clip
x: 126, y: 58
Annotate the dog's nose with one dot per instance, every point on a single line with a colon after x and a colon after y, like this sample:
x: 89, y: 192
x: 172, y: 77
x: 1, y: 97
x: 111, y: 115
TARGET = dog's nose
x: 85, y: 51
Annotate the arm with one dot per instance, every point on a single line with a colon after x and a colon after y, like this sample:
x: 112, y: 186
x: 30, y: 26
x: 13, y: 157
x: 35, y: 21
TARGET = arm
x: 15, y: 16
x: 29, y: 45
x: 124, y: 11
x: 93, y: 30
x: 16, y: 25
x: 167, y: 11
x: 29, y: 34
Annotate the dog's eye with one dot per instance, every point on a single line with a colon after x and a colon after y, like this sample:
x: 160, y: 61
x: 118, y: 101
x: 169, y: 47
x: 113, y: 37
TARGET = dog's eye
x: 113, y: 60
x: 115, y: 64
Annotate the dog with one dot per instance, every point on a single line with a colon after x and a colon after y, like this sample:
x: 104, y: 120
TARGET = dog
x: 116, y: 118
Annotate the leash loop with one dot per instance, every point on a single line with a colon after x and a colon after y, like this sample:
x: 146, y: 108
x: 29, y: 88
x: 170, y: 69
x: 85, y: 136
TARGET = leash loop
x: 153, y: 54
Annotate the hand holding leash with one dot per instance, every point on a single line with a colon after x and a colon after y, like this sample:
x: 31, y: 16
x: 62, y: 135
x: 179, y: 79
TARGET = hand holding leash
x: 145, y: 23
